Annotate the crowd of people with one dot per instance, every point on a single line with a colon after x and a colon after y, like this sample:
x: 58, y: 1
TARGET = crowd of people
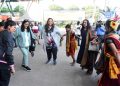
x: 99, y: 46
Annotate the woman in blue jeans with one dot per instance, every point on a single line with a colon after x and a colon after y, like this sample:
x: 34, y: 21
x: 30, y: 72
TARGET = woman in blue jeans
x: 23, y: 36
x: 52, y: 37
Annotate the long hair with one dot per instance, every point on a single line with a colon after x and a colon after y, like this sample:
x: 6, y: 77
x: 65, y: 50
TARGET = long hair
x: 47, y: 26
x: 22, y: 26
x: 88, y: 24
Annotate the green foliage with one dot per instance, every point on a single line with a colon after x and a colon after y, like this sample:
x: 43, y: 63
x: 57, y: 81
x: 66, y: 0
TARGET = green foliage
x: 4, y: 10
x: 55, y: 7
x: 18, y: 8
x: 73, y: 7
x: 89, y: 11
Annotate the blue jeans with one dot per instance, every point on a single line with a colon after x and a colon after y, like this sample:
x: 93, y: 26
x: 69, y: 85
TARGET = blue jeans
x: 25, y: 52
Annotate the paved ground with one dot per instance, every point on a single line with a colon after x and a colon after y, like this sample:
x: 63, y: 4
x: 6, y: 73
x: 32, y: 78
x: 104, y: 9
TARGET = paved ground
x: 48, y: 75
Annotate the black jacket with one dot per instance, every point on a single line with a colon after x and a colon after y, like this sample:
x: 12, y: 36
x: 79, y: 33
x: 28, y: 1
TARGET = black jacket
x: 6, y: 47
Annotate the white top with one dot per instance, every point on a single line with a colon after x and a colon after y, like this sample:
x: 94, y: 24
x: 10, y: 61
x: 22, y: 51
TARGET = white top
x: 77, y: 31
x: 27, y: 39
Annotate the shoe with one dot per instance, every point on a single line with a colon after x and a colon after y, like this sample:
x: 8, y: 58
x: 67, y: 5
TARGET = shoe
x: 89, y: 72
x: 72, y: 64
x: 47, y: 61
x: 54, y: 62
x: 26, y: 68
x: 32, y: 54
x: 15, y: 46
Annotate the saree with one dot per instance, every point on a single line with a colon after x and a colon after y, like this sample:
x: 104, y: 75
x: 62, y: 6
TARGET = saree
x: 111, y: 74
x: 71, y: 44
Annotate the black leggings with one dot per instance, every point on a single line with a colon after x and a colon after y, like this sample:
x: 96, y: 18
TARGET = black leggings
x: 91, y: 59
x: 50, y: 52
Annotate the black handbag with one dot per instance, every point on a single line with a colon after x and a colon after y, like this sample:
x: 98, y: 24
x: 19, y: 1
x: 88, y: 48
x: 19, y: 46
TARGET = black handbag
x: 32, y: 46
x: 100, y: 64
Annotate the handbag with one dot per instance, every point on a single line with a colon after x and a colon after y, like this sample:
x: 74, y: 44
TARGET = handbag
x: 32, y: 46
x: 100, y: 64
x: 93, y: 47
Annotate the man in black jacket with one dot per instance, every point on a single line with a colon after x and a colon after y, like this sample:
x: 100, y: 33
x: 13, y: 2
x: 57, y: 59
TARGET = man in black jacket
x: 6, y: 49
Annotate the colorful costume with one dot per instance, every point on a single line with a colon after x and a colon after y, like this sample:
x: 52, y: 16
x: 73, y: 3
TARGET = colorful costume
x: 71, y: 44
x: 111, y: 74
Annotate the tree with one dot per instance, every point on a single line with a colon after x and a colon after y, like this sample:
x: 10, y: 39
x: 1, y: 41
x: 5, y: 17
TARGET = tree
x: 19, y: 9
x: 89, y: 11
x: 4, y: 10
x: 55, y: 7
x: 73, y: 7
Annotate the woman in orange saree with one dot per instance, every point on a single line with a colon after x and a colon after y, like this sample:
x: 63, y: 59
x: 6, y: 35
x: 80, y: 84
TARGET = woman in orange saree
x: 111, y: 74
x: 71, y: 44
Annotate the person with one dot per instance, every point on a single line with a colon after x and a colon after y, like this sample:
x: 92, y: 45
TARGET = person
x: 6, y: 49
x: 23, y: 36
x: 83, y: 51
x: 40, y: 27
x: 92, y: 52
x: 9, y: 18
x: 100, y: 30
x: 111, y: 73
x: 78, y: 32
x: 52, y: 37
x: 1, y: 26
x: 71, y: 44
x: 36, y: 31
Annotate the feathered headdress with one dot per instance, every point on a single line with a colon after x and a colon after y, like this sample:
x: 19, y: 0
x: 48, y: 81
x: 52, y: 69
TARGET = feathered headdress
x: 113, y: 25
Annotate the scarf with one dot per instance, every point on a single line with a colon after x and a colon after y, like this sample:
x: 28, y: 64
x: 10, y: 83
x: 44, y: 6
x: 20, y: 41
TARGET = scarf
x: 67, y: 41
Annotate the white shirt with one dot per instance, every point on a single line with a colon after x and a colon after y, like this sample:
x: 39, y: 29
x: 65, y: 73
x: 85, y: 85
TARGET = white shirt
x: 77, y: 31
x: 27, y: 39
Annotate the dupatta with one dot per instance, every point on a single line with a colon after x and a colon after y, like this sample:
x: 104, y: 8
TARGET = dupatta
x: 114, y: 70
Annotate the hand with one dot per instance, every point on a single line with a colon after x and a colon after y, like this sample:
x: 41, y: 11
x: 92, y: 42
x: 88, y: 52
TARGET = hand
x: 12, y: 68
x: 93, y: 43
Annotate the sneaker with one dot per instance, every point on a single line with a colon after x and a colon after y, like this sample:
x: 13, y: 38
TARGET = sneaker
x: 54, y: 62
x: 89, y: 72
x: 26, y: 68
x: 47, y: 61
x: 72, y: 64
